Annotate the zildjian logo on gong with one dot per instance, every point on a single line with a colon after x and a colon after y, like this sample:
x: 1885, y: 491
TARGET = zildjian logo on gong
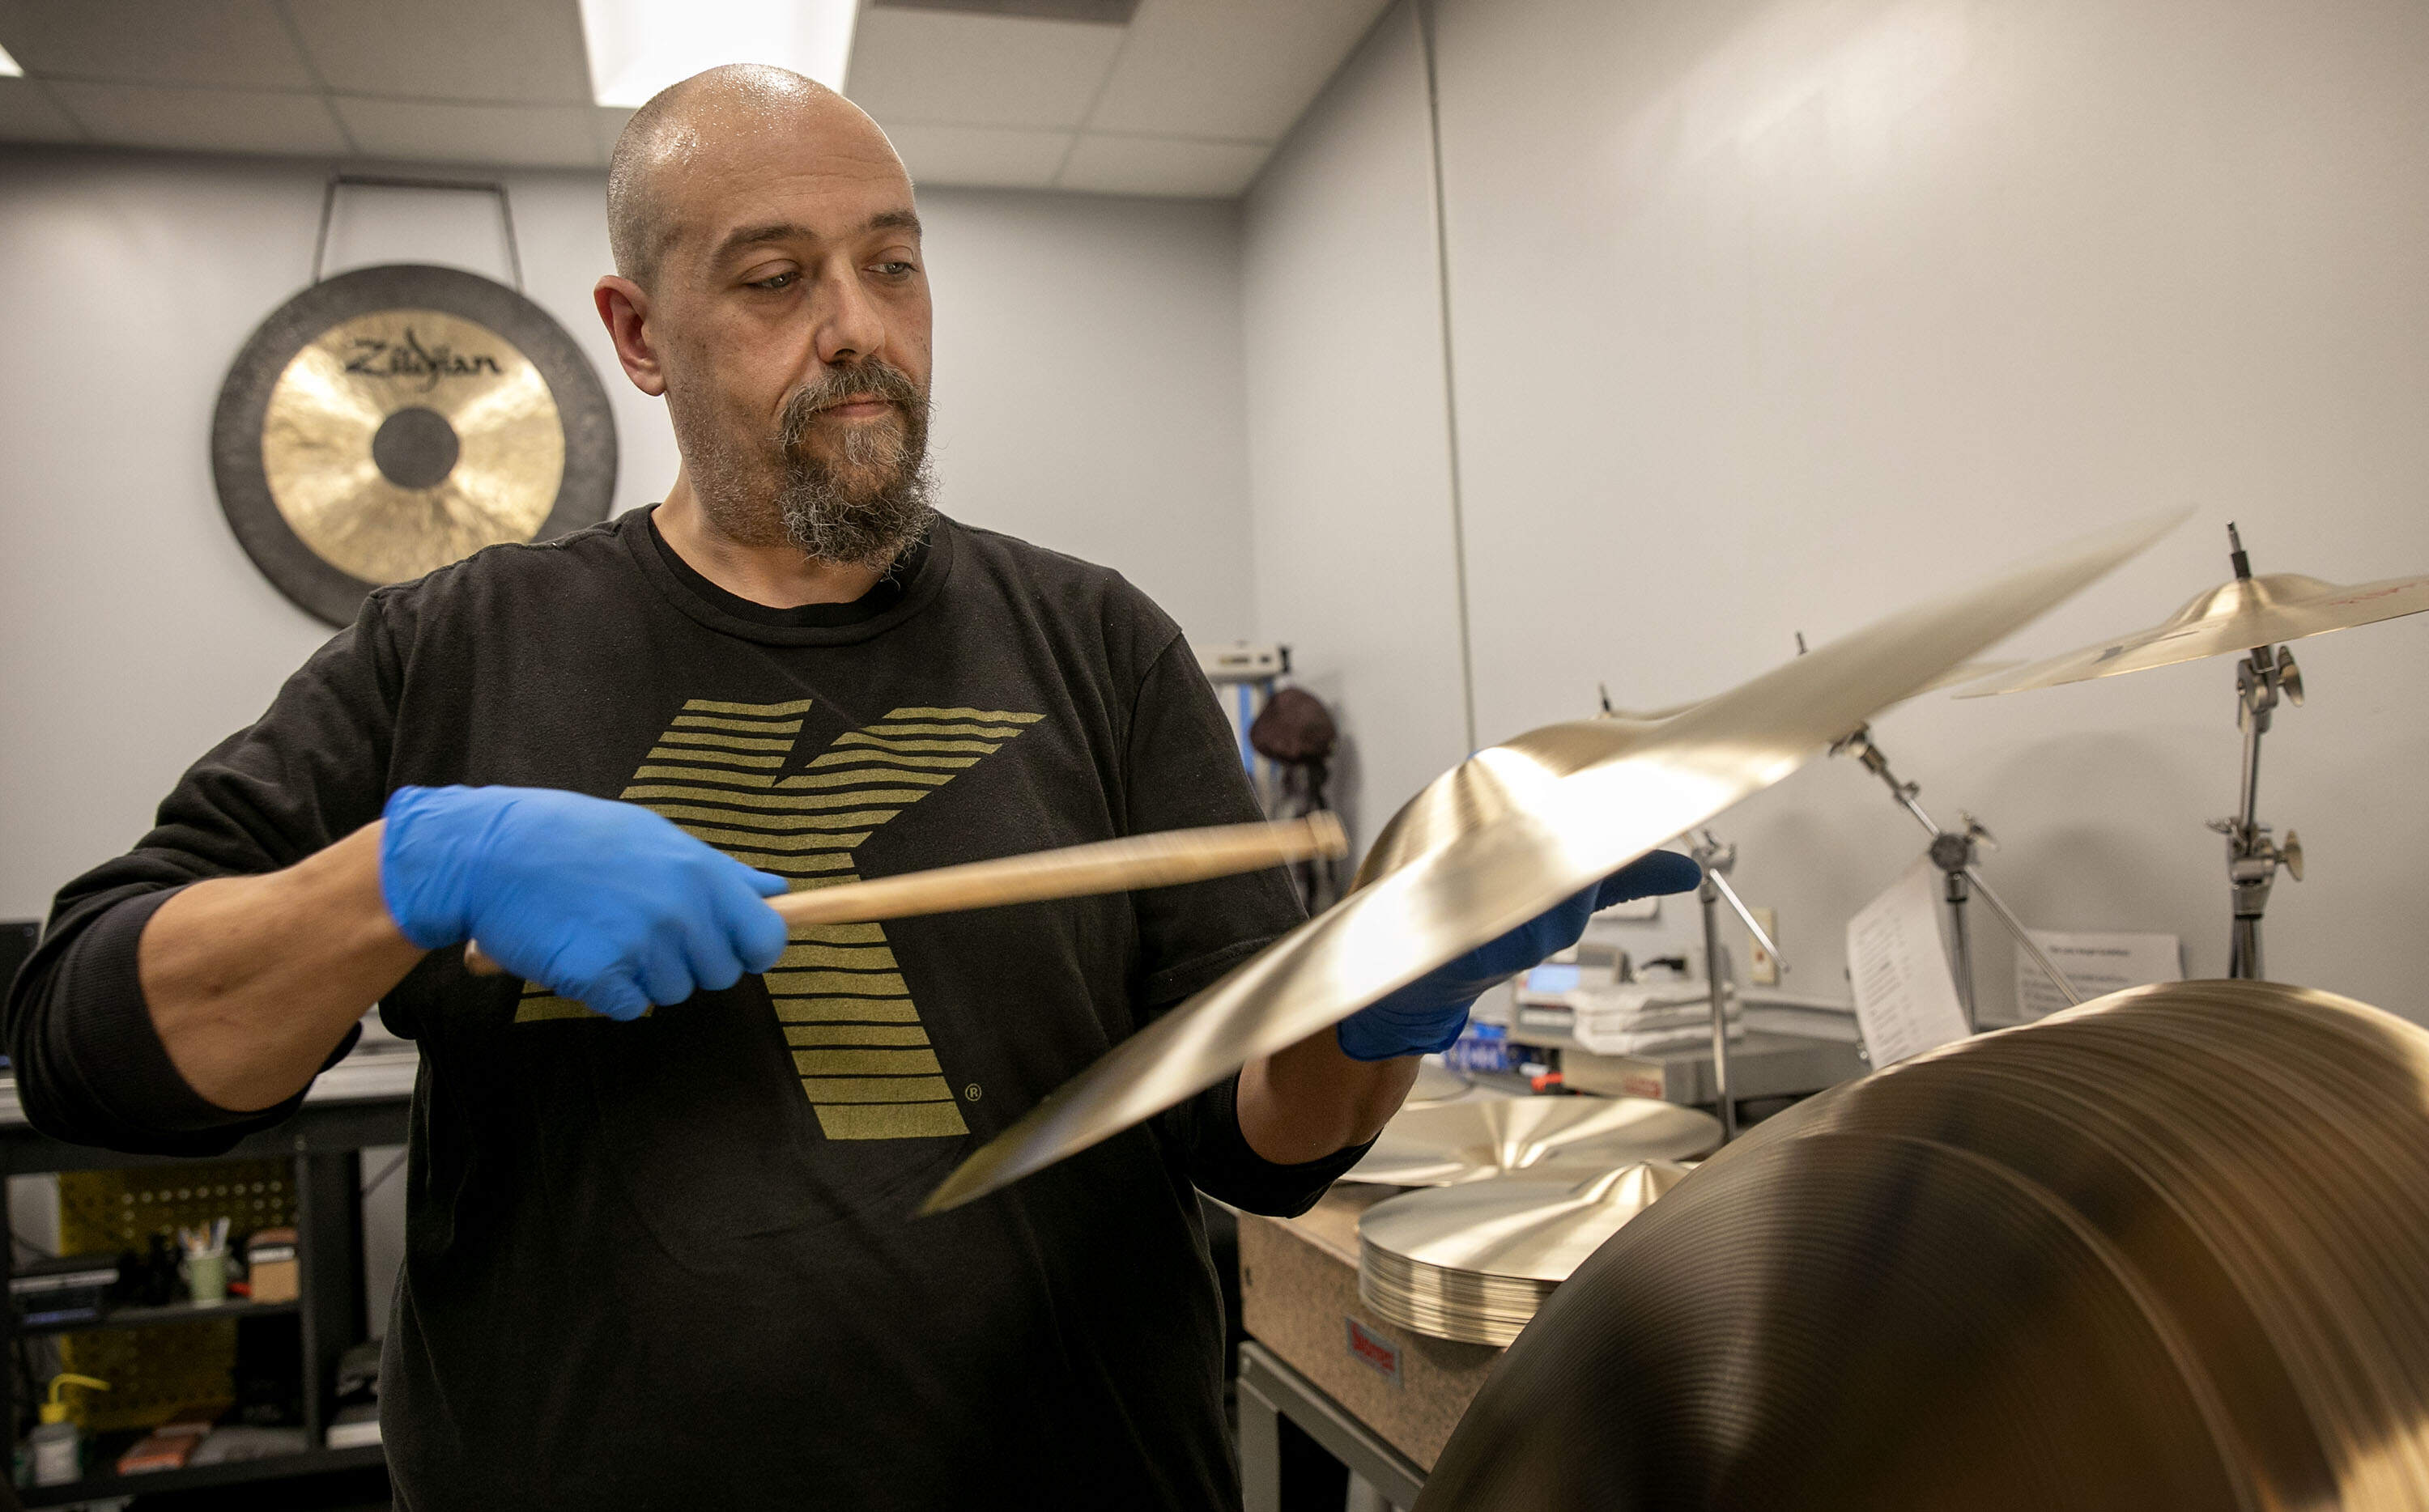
x: 410, y: 359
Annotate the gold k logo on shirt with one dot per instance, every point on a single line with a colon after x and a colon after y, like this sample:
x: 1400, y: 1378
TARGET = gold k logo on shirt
x: 863, y: 1058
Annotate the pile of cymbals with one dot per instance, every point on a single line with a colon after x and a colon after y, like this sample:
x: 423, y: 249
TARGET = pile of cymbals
x: 2166, y: 1250
x: 1474, y: 1262
x: 1529, y: 1187
x: 1564, y: 1139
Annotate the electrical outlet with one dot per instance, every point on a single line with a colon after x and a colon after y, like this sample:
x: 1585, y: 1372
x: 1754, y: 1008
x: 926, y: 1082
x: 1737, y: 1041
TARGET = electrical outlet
x: 1762, y: 967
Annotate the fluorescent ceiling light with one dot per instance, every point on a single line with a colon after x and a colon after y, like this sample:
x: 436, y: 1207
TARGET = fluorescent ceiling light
x: 8, y: 68
x: 639, y: 47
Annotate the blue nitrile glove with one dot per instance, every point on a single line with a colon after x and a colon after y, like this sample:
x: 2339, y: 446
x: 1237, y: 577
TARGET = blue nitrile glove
x: 1429, y: 1014
x: 604, y: 903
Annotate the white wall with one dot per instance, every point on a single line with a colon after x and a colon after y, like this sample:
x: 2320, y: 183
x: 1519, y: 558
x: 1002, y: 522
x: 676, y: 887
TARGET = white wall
x: 1356, y: 551
x: 1089, y: 396
x: 1772, y: 314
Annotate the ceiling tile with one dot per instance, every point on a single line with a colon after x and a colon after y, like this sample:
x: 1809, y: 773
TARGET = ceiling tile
x: 511, y: 136
x: 236, y: 120
x: 1102, y: 164
x: 1114, y: 12
x: 26, y: 114
x: 528, y: 53
x: 225, y: 44
x: 932, y: 68
x: 981, y: 157
x: 1239, y: 69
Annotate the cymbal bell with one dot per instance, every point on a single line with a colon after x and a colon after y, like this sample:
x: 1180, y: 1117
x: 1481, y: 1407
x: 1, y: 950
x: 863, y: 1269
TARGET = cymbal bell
x: 1514, y: 831
x: 386, y: 481
x: 2236, y: 617
x: 2164, y: 1250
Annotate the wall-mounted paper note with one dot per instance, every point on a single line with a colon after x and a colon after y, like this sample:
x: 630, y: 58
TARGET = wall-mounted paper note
x: 1906, y: 998
x: 2095, y: 964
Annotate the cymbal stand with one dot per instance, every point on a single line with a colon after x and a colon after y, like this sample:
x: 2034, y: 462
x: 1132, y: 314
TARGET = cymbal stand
x: 1717, y: 859
x: 1956, y: 852
x: 2252, y: 857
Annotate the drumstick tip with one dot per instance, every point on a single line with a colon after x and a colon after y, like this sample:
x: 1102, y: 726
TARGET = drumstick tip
x: 1324, y: 827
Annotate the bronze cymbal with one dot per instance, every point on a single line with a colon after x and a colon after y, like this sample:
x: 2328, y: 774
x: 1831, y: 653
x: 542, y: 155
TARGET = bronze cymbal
x: 1514, y: 831
x: 1474, y: 1262
x: 1438, y: 1084
x: 2228, y: 620
x: 1964, y: 672
x: 493, y: 425
x: 1561, y: 1137
x: 387, y: 421
x: 2168, y: 1249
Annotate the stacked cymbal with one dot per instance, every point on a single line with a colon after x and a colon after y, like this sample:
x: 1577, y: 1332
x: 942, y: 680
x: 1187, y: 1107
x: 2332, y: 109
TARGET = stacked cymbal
x: 2166, y: 1250
x: 1474, y: 1262
x: 1529, y: 1188
x: 1561, y: 1138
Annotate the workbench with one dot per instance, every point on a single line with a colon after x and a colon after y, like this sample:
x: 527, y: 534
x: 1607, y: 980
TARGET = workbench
x: 1380, y: 1399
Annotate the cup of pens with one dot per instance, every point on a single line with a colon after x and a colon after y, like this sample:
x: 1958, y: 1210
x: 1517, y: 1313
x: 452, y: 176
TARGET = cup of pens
x: 205, y: 1265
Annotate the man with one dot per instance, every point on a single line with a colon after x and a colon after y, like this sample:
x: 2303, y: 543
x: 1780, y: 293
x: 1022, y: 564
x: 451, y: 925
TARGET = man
x: 660, y: 1249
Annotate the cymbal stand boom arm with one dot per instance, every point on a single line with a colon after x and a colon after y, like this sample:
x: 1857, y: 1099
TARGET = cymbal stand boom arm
x: 1955, y: 853
x: 1716, y: 859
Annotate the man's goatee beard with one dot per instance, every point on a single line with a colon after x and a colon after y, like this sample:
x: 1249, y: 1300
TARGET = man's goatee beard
x: 834, y: 522
x: 865, y: 508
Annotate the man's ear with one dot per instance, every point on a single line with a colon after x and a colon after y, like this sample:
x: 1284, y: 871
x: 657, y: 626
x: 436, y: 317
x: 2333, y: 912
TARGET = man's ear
x: 624, y: 308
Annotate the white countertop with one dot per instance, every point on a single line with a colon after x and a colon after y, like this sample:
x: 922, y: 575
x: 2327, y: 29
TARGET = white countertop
x: 364, y: 1075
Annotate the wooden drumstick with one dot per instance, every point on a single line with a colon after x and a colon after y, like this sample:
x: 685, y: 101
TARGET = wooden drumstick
x: 1126, y: 865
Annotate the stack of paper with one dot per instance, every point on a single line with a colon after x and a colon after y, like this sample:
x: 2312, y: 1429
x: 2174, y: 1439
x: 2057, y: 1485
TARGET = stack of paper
x: 1636, y: 1018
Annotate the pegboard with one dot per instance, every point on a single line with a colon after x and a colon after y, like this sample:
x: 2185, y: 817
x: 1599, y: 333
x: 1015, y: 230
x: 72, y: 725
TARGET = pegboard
x: 116, y: 1210
x: 154, y: 1372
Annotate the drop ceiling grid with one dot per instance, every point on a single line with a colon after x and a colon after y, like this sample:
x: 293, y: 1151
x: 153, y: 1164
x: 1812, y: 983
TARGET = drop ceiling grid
x: 471, y: 81
x: 1188, y: 99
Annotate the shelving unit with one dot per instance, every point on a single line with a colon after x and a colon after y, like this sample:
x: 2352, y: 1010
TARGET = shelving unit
x: 322, y: 1144
x: 93, y: 1488
x: 231, y: 1311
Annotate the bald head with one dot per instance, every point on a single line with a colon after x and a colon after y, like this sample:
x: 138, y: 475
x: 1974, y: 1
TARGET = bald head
x: 720, y: 124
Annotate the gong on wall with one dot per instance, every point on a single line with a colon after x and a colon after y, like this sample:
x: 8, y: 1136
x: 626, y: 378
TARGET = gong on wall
x: 389, y: 420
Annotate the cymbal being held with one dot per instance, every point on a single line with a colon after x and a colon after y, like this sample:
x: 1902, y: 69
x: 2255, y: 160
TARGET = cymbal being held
x: 1514, y: 831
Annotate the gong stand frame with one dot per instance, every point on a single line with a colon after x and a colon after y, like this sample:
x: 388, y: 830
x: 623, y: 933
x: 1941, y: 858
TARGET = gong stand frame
x: 1957, y: 854
x: 2266, y: 674
x: 1717, y: 860
x: 458, y: 186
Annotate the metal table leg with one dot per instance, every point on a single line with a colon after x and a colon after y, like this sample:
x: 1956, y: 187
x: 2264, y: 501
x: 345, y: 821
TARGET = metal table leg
x: 1269, y: 1388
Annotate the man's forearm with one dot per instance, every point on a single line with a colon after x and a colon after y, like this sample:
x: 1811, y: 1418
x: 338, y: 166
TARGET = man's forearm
x: 1309, y: 1100
x: 253, y: 980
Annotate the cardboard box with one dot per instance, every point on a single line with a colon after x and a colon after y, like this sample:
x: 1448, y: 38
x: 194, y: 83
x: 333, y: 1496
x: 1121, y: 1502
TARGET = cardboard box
x: 270, y: 1266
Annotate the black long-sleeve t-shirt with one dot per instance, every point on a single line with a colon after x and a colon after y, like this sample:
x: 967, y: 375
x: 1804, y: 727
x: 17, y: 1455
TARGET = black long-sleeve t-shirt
x: 674, y: 1262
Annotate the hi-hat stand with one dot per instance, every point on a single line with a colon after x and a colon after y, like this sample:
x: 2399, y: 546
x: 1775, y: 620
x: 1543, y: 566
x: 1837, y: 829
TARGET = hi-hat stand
x: 1957, y: 853
x: 2253, y: 858
x: 1717, y: 859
